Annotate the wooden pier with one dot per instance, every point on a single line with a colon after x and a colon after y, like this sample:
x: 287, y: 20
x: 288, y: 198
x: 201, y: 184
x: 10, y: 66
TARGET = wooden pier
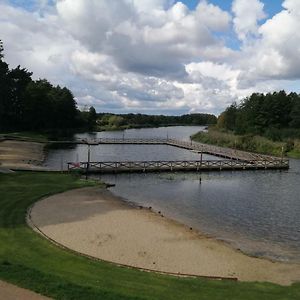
x: 233, y: 159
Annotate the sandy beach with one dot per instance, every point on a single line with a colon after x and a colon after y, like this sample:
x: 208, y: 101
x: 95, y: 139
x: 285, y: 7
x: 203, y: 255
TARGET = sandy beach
x: 21, y: 155
x: 93, y: 221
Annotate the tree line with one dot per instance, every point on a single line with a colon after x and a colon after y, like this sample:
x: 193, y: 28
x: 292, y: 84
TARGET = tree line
x: 273, y: 115
x: 142, y: 120
x: 37, y: 105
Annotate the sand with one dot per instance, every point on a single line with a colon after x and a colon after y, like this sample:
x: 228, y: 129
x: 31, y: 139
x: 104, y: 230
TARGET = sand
x: 94, y: 222
x: 12, y: 292
x: 21, y: 155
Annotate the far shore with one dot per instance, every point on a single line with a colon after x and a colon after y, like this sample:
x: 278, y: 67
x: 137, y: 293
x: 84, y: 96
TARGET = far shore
x: 94, y: 222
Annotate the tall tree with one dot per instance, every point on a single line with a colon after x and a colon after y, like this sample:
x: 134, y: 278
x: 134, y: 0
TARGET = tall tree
x: 4, y: 91
x: 228, y: 118
x: 64, y: 107
x: 39, y: 108
x: 92, y: 118
x: 19, y: 79
x: 295, y: 111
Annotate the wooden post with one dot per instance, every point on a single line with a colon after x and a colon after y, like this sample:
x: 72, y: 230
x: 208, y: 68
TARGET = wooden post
x: 201, y: 157
x: 88, y: 161
x: 62, y: 163
x: 281, y: 154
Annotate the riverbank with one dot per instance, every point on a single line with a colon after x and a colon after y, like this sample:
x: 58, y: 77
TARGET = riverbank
x: 251, y: 143
x: 32, y: 262
x: 21, y: 155
x: 94, y: 222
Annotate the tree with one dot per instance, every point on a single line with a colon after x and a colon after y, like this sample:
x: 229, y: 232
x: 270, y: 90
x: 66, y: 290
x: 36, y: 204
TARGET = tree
x: 64, y: 107
x: 295, y: 112
x: 1, y: 50
x: 4, y: 91
x: 35, y: 105
x: 19, y: 79
x: 39, y: 106
x: 116, y: 121
x: 92, y: 118
x: 227, y: 119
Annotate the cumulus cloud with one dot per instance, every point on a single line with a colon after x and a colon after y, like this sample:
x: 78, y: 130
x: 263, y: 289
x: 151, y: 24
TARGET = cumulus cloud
x: 275, y: 54
x: 149, y: 37
x: 154, y: 55
x: 247, y: 15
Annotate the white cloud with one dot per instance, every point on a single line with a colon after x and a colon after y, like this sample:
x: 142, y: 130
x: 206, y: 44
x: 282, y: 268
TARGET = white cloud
x: 247, y: 14
x: 275, y: 55
x: 154, y: 55
x: 212, y: 16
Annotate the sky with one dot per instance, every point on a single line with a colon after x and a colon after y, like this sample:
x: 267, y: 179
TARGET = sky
x: 156, y: 56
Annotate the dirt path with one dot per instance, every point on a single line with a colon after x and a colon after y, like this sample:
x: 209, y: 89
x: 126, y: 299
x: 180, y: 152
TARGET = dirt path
x: 21, y: 155
x: 11, y: 292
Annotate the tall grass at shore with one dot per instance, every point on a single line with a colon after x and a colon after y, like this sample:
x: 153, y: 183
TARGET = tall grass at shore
x: 252, y: 143
x: 295, y: 152
x: 30, y: 261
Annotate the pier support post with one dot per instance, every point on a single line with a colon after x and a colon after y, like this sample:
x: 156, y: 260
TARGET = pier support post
x: 201, y: 155
x: 88, y: 161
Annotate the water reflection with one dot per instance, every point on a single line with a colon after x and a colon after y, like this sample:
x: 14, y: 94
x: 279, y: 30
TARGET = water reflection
x: 59, y: 155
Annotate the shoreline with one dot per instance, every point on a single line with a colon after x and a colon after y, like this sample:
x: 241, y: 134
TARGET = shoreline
x: 22, y: 155
x: 99, y: 224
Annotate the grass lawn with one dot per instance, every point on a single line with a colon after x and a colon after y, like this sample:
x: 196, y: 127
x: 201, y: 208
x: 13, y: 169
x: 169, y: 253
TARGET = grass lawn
x: 28, y: 260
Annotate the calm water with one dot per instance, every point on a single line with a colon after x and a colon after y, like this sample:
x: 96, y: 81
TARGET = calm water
x: 57, y: 158
x: 256, y: 211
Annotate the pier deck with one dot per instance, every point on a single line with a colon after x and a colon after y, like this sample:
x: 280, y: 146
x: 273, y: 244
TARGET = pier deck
x: 233, y: 159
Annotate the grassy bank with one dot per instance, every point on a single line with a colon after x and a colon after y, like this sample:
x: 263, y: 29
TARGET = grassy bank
x: 28, y: 260
x: 27, y: 136
x: 251, y: 143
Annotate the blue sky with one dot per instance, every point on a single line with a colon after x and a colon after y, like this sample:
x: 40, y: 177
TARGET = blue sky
x: 149, y: 58
x: 271, y: 6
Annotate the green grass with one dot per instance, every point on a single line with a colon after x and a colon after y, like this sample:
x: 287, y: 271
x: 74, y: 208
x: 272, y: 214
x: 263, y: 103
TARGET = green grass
x: 250, y: 143
x: 295, y: 152
x: 28, y: 135
x: 28, y: 260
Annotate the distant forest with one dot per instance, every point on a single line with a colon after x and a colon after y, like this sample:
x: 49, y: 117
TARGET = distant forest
x: 31, y: 105
x: 273, y: 115
x: 115, y: 121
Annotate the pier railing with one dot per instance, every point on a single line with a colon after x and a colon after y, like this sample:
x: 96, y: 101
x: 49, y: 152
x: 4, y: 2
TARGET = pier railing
x: 197, y: 165
x: 233, y: 159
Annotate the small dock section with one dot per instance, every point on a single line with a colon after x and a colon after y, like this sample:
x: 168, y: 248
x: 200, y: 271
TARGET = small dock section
x: 233, y: 159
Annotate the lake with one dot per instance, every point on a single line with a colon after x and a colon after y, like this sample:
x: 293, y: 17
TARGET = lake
x: 255, y: 211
